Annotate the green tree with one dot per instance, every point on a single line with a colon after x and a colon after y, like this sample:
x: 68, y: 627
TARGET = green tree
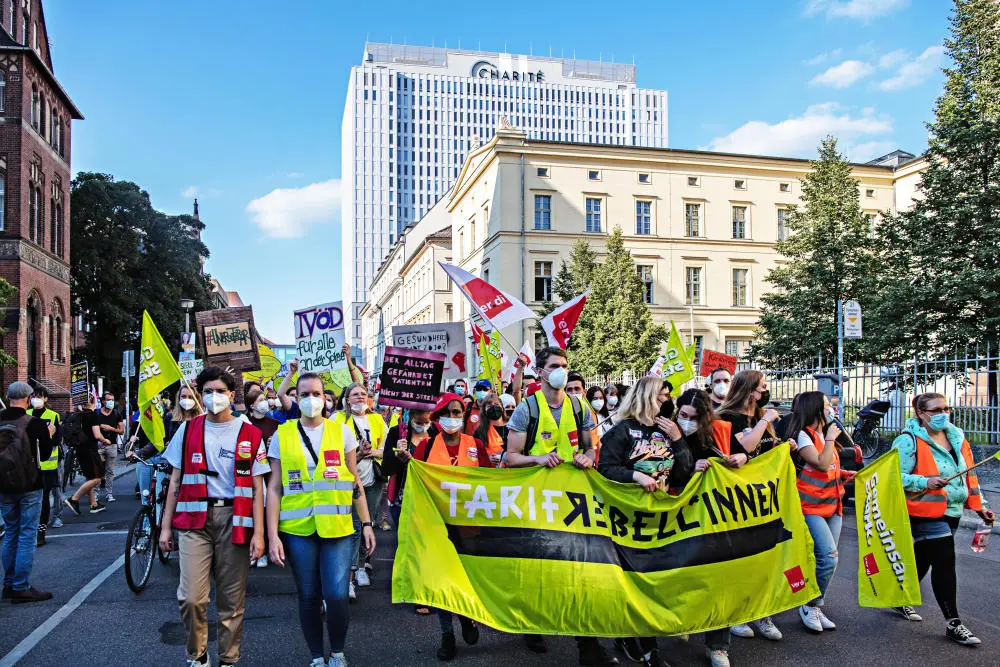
x: 941, y: 289
x: 128, y: 257
x: 829, y: 256
x: 7, y: 292
x: 571, y: 280
x: 616, y: 330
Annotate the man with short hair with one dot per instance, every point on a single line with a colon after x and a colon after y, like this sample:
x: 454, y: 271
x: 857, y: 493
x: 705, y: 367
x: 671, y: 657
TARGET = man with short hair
x: 25, y: 441
x: 473, y: 415
x: 718, y: 386
x: 554, y: 428
x: 50, y: 466
x: 111, y: 424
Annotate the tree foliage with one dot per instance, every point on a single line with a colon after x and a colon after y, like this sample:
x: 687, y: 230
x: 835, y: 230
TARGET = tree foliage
x: 828, y: 255
x: 7, y: 292
x: 128, y: 257
x: 941, y: 282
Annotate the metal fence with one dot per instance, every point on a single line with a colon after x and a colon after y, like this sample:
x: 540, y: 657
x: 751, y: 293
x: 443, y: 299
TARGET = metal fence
x: 964, y: 378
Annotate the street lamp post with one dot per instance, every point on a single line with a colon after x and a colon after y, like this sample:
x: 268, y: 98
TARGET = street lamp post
x: 187, y: 305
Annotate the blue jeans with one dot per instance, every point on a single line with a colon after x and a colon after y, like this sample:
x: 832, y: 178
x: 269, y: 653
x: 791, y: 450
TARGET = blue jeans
x: 21, y: 512
x: 322, y: 573
x: 144, y: 476
x: 825, y: 532
x: 373, y: 496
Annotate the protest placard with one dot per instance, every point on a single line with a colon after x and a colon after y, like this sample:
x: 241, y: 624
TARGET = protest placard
x: 79, y: 380
x: 410, y: 378
x: 227, y: 338
x: 319, y: 338
x: 710, y: 360
x: 447, y: 338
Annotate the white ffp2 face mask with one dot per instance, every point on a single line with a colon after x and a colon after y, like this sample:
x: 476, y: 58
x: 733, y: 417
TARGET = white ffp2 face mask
x: 37, y: 403
x: 688, y: 426
x: 186, y: 403
x: 216, y: 403
x: 311, y: 406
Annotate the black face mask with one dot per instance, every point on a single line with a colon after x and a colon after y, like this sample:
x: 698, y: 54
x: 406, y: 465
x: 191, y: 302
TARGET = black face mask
x: 765, y: 398
x: 667, y: 409
x: 494, y: 412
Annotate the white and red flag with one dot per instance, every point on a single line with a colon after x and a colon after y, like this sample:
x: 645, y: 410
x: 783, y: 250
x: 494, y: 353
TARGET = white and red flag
x: 496, y: 307
x: 559, y: 324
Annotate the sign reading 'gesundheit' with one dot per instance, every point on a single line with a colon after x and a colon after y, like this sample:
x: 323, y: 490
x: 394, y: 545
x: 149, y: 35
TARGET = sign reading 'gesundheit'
x: 411, y: 378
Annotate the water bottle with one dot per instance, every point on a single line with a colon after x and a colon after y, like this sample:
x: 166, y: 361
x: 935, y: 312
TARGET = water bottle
x: 982, y: 537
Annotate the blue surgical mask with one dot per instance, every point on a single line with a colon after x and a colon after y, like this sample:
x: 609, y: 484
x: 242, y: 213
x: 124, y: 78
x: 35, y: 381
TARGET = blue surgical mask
x: 460, y: 391
x: 480, y: 395
x: 939, y: 422
x: 419, y: 428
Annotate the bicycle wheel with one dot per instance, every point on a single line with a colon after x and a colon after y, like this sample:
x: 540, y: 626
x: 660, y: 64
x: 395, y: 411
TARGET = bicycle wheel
x: 139, y: 548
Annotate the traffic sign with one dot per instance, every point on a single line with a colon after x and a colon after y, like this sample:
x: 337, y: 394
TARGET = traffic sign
x: 852, y: 319
x: 128, y: 363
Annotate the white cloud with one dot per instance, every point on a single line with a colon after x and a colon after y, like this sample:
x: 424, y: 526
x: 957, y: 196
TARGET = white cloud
x: 294, y: 174
x: 822, y: 57
x: 799, y: 136
x: 853, y: 9
x: 190, y: 192
x: 843, y: 75
x: 892, y: 58
x: 914, y: 72
x: 288, y: 212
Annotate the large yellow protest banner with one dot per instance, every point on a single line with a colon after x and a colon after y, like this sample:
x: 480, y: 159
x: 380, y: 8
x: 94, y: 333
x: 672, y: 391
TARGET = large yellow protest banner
x: 887, y: 567
x: 566, y: 551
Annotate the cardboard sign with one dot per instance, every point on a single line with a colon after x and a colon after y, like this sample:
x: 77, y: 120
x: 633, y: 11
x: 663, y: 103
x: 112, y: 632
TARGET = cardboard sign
x: 319, y: 338
x: 410, y: 378
x: 445, y: 338
x: 710, y: 360
x: 228, y: 337
x: 190, y: 367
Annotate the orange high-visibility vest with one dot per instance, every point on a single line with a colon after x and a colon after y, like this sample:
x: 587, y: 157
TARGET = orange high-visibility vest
x: 932, y: 504
x: 820, y: 492
x: 494, y: 445
x: 468, y: 453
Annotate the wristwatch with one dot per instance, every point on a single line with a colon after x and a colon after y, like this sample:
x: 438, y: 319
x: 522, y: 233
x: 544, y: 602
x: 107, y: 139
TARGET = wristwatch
x: 367, y: 524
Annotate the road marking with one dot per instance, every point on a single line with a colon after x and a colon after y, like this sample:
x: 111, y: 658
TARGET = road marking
x: 97, y: 532
x: 53, y: 621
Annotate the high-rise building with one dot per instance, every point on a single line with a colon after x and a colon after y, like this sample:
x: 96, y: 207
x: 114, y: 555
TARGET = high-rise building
x: 413, y: 114
x: 35, y: 131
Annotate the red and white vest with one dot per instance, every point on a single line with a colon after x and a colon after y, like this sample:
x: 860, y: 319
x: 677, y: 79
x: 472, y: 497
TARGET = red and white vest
x: 192, y: 499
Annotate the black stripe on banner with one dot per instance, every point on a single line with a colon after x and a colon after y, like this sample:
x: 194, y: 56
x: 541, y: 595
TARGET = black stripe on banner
x: 540, y: 544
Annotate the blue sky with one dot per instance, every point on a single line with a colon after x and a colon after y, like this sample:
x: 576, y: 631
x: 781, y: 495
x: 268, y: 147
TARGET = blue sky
x: 240, y: 101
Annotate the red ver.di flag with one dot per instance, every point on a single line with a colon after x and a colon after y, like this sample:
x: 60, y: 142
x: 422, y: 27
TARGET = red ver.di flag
x: 494, y: 305
x: 319, y: 338
x: 410, y: 378
x: 559, y: 324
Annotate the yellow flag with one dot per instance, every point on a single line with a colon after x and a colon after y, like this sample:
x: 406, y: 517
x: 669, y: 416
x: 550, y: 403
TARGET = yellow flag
x: 157, y: 370
x: 490, y: 357
x: 887, y: 567
x: 534, y: 550
x: 677, y: 366
x: 997, y: 455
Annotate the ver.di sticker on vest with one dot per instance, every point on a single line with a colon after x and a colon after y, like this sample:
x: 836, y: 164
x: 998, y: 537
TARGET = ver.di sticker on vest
x: 331, y: 457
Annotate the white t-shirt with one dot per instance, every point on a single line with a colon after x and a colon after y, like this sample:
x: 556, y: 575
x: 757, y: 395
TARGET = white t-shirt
x: 366, y: 473
x: 316, y: 438
x: 220, y: 455
x: 804, y: 440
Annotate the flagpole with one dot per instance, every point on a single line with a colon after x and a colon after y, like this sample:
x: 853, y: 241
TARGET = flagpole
x: 967, y: 470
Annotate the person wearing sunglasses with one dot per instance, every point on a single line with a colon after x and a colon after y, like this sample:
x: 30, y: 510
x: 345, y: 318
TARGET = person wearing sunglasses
x: 934, y: 456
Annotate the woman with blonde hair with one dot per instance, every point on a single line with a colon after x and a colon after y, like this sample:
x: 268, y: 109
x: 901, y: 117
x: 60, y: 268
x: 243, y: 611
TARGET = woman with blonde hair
x: 745, y: 408
x: 647, y: 449
x: 185, y: 409
x: 370, y: 431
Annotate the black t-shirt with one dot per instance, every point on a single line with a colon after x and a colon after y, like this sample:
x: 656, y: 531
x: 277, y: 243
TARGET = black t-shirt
x: 113, y: 420
x: 630, y: 446
x: 744, y: 424
x: 90, y: 420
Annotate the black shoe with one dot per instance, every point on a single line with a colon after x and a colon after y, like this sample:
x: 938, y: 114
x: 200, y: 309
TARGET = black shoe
x: 40, y: 540
x: 593, y: 654
x: 536, y: 643
x: 470, y: 632
x: 630, y: 647
x: 447, y: 649
x: 654, y: 660
x: 73, y: 505
x: 7, y: 590
x: 98, y: 508
x: 958, y: 633
x: 30, y: 595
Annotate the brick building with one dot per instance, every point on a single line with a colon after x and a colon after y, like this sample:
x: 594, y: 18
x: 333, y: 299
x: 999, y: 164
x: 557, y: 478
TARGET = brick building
x: 35, y: 139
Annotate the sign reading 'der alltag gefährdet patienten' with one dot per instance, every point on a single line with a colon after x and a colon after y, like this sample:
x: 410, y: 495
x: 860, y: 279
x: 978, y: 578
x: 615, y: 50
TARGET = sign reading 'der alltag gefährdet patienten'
x: 410, y: 378
x: 319, y: 338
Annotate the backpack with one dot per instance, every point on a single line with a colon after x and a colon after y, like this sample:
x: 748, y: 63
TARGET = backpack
x: 532, y: 431
x: 18, y: 459
x: 72, y: 427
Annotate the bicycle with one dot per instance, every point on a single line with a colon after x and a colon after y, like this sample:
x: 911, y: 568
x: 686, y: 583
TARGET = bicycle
x: 866, y: 432
x: 71, y: 467
x: 142, y: 542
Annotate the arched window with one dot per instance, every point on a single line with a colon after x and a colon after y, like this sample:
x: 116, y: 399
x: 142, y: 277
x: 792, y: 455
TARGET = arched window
x: 32, y: 215
x: 34, y: 319
x: 53, y: 231
x: 60, y: 231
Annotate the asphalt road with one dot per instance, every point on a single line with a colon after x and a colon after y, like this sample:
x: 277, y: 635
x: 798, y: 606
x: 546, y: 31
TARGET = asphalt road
x: 112, y: 626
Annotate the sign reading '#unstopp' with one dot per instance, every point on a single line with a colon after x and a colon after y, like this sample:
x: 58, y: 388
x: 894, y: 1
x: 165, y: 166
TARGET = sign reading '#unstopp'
x: 319, y: 338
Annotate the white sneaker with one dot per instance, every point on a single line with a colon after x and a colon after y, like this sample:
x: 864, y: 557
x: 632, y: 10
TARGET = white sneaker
x: 323, y: 610
x: 57, y: 523
x: 362, y: 578
x: 766, y: 628
x: 810, y: 618
x: 317, y: 662
x: 337, y: 660
x: 262, y: 561
x: 909, y: 613
x: 207, y: 662
x: 110, y: 498
x: 742, y: 630
x: 352, y: 593
x: 718, y: 658
x: 826, y: 623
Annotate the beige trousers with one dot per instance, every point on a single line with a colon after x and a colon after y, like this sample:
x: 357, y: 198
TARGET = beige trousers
x: 202, y: 551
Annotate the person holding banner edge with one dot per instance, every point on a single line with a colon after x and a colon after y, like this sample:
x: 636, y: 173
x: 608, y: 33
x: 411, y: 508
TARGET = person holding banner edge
x: 934, y: 460
x: 554, y: 428
x: 313, y: 486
